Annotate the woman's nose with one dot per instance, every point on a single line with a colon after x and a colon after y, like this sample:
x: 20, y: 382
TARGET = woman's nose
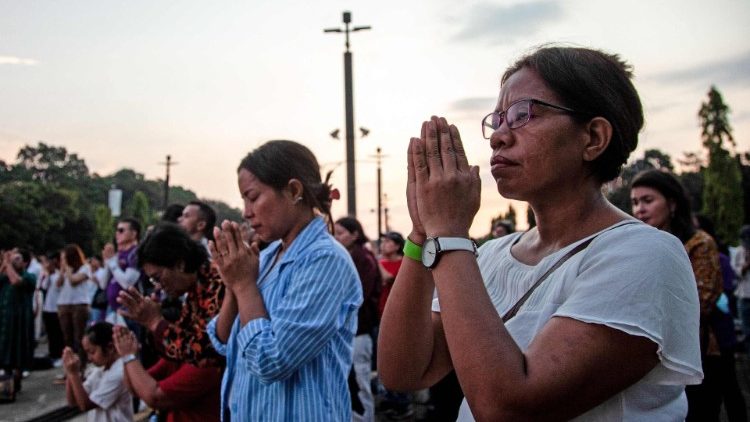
x: 500, y: 137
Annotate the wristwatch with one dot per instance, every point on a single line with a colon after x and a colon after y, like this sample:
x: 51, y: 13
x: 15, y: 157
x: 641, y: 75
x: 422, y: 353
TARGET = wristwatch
x: 434, y: 246
x: 128, y: 358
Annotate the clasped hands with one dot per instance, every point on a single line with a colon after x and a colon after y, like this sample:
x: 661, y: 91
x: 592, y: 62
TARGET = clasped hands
x: 141, y: 309
x: 236, y: 261
x: 443, y: 190
x: 124, y: 341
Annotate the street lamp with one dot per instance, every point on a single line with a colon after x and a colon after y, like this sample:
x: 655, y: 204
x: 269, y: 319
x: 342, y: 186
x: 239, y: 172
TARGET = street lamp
x: 351, y: 190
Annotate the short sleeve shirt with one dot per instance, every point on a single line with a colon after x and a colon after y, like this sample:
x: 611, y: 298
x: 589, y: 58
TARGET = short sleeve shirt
x: 106, y: 388
x: 632, y: 278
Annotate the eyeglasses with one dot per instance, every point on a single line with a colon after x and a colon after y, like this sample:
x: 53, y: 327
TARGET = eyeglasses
x: 154, y: 279
x: 515, y: 116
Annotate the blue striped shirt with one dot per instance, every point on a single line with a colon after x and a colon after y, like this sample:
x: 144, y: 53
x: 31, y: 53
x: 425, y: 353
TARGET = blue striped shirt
x: 293, y: 365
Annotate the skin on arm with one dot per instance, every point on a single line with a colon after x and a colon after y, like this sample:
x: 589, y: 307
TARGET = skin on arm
x: 414, y: 355
x: 140, y: 381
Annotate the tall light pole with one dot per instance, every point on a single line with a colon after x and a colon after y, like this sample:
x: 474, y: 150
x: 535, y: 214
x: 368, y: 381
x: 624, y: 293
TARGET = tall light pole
x: 351, y: 190
x: 169, y: 163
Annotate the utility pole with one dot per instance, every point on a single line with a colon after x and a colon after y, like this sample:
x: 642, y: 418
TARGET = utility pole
x: 351, y: 190
x: 378, y: 160
x: 169, y: 163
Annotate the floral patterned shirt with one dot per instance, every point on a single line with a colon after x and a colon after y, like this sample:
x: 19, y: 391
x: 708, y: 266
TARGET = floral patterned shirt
x: 186, y: 340
x: 704, y: 257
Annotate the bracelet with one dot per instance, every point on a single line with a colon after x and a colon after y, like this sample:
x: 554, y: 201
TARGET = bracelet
x: 412, y: 250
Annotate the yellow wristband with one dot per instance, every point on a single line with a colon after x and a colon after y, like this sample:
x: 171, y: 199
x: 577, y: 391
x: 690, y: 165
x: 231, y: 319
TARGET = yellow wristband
x: 412, y: 250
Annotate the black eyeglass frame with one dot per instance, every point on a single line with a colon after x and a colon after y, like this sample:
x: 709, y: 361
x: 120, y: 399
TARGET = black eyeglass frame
x: 503, y: 115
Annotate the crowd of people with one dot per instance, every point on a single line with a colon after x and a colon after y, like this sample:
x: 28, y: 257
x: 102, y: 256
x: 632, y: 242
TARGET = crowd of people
x: 593, y: 314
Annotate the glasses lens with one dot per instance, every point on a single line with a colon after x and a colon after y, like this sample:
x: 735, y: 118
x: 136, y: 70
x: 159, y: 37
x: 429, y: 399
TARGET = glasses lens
x: 490, y: 124
x: 519, y: 114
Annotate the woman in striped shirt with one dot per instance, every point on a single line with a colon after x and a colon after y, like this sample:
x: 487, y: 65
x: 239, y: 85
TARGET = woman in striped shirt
x: 290, y: 313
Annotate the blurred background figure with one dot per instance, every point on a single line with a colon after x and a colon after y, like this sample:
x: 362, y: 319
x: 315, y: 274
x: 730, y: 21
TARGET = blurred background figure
x: 17, y: 287
x: 173, y: 213
x: 502, y: 228
x: 348, y: 231
x: 51, y: 321
x: 198, y: 219
x: 99, y: 282
x: 74, y: 297
x: 659, y: 200
x: 741, y: 266
x: 395, y: 405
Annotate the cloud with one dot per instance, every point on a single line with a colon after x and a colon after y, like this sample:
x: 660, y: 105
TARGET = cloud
x: 474, y: 104
x: 732, y: 71
x: 501, y: 24
x: 17, y: 61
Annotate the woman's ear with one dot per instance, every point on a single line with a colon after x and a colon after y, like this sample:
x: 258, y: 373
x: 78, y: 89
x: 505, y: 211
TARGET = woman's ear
x: 599, y: 133
x: 296, y: 189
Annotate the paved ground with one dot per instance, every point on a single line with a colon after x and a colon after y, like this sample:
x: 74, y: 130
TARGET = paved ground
x: 43, y: 401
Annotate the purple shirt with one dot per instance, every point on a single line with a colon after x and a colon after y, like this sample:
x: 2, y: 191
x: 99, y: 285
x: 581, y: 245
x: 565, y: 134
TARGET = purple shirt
x: 125, y: 259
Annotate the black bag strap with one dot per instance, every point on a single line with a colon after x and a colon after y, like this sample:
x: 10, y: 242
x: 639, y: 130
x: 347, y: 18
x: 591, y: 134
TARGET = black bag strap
x: 581, y: 246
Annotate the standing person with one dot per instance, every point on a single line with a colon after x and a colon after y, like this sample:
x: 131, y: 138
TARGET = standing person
x: 73, y: 300
x: 99, y: 282
x: 122, y: 266
x: 51, y: 321
x: 741, y: 265
x: 611, y: 330
x: 348, y: 231
x: 395, y: 405
x: 290, y: 312
x: 16, y: 314
x: 660, y: 201
x: 103, y: 395
x: 198, y: 219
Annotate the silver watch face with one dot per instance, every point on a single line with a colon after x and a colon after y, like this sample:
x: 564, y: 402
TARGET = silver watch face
x: 429, y: 252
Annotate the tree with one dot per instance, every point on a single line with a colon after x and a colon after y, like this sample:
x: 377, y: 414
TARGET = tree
x: 49, y: 164
x: 722, y: 187
x: 104, y: 227
x: 139, y: 209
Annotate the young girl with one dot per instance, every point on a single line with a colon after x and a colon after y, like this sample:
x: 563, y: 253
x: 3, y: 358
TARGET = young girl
x: 104, y: 393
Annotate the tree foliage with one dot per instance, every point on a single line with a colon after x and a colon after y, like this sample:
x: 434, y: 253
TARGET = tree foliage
x: 48, y: 198
x: 722, y: 188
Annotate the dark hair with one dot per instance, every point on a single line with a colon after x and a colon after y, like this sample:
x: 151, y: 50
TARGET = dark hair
x: 353, y: 225
x: 706, y: 224
x: 277, y: 162
x: 681, y: 222
x: 597, y: 84
x: 207, y: 214
x: 169, y: 245
x: 172, y: 213
x: 134, y: 225
x: 74, y: 256
x: 25, y: 255
x: 507, y: 224
x: 398, y: 239
x: 100, y: 334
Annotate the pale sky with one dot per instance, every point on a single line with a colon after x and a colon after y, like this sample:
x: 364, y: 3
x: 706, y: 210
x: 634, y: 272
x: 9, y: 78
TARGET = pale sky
x: 123, y: 84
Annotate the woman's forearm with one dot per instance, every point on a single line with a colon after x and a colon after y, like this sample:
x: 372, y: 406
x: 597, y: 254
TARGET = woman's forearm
x: 406, y: 329
x: 227, y: 315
